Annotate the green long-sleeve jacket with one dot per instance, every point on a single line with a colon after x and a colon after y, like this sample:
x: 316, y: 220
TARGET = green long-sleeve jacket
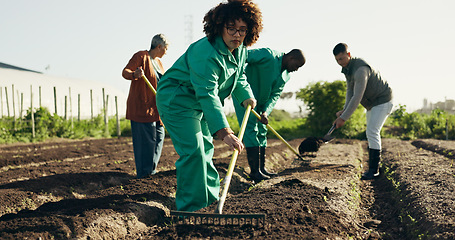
x: 201, y: 79
x: 265, y: 77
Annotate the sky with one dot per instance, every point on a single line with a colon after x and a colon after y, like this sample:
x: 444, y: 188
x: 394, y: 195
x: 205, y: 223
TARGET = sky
x: 410, y: 42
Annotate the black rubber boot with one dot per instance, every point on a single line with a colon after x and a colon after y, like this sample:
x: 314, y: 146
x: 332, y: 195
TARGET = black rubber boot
x: 262, y: 163
x: 252, y: 153
x: 373, y: 164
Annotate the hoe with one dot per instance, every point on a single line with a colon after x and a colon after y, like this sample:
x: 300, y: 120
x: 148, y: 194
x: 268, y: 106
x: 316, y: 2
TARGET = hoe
x: 279, y: 136
x: 312, y: 144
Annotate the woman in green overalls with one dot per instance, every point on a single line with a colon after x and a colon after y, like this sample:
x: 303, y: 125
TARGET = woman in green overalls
x: 190, y: 98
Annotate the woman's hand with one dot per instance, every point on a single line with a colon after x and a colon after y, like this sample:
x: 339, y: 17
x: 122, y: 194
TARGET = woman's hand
x: 233, y: 142
x: 249, y: 101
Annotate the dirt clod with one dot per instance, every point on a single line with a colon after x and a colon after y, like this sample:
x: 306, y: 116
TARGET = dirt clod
x: 310, y: 145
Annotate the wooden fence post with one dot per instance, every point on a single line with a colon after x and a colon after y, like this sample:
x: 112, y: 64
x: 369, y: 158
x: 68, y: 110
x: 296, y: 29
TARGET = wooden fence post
x: 55, y: 100
x: 78, y: 107
x: 32, y: 115
x: 7, y: 102
x: 91, y: 103
x: 39, y: 98
x: 105, y: 115
x: 14, y: 108
x: 14, y: 103
x: 118, y: 118
x: 66, y: 107
x: 104, y: 106
x: 1, y: 102
x: 71, y: 108
x: 22, y: 106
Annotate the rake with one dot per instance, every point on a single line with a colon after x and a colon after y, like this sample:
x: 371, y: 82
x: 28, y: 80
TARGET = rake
x: 218, y: 218
x: 281, y: 138
x: 181, y: 217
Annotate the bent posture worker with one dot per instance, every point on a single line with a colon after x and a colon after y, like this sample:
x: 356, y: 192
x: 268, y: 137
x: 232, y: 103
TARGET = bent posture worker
x: 364, y: 86
x: 267, y: 72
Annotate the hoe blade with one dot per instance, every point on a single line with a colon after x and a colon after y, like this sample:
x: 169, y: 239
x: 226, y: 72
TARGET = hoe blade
x: 328, y: 137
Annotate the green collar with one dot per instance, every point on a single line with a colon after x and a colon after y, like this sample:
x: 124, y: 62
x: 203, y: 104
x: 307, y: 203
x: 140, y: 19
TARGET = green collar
x: 221, y: 47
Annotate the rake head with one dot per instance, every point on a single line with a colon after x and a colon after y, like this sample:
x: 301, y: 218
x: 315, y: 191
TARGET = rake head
x: 193, y: 218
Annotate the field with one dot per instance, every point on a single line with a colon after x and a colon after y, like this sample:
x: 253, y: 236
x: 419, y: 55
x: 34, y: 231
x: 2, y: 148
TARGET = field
x: 86, y: 190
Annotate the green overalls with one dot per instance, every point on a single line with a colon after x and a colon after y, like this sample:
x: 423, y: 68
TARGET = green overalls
x: 264, y: 75
x: 190, y: 98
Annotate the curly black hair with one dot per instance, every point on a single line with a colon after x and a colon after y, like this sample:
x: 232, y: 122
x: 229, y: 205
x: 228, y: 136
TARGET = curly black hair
x: 227, y: 12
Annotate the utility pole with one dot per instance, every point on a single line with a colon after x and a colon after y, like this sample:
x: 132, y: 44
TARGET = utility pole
x: 189, y: 29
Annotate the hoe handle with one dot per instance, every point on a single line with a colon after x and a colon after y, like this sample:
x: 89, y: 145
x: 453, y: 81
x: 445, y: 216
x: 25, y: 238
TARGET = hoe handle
x: 331, y: 129
x: 227, y: 179
x: 278, y: 135
x: 149, y: 84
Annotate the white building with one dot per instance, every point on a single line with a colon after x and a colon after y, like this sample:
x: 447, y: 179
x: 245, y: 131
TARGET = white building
x: 25, y: 81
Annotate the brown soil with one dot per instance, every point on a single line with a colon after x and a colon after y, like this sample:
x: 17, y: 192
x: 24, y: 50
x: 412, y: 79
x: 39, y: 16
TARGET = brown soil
x: 87, y: 190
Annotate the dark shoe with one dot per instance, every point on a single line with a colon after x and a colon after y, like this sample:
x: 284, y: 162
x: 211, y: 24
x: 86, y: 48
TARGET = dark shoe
x: 373, y: 165
x: 252, y: 154
x: 368, y: 175
x: 262, y: 163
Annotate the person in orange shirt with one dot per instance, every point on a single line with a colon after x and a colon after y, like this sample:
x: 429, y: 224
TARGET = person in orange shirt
x: 146, y: 127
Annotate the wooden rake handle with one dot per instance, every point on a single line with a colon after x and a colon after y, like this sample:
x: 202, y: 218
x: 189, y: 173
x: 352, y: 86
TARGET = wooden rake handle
x: 278, y: 135
x: 227, y: 179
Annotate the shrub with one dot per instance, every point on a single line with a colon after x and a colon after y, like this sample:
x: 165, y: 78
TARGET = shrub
x: 323, y: 100
x: 439, y: 124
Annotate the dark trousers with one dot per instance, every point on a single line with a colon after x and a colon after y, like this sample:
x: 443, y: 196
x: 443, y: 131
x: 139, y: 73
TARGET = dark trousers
x: 147, y: 145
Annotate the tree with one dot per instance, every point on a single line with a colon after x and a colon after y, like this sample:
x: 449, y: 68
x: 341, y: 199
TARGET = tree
x: 323, y: 100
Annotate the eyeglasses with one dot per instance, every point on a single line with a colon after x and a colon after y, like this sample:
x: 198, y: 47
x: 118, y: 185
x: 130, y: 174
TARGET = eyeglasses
x: 232, y: 31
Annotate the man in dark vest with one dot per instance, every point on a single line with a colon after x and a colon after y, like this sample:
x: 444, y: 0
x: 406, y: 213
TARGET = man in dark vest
x: 364, y: 86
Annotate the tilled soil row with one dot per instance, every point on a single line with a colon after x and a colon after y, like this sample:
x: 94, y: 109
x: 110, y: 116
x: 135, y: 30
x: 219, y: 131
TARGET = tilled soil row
x: 419, y: 181
x: 23, y: 154
x: 315, y: 201
x: 444, y: 148
x: 97, y: 196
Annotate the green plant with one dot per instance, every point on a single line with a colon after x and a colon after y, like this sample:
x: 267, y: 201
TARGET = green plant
x: 323, y: 100
x: 438, y: 124
x: 49, y: 125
